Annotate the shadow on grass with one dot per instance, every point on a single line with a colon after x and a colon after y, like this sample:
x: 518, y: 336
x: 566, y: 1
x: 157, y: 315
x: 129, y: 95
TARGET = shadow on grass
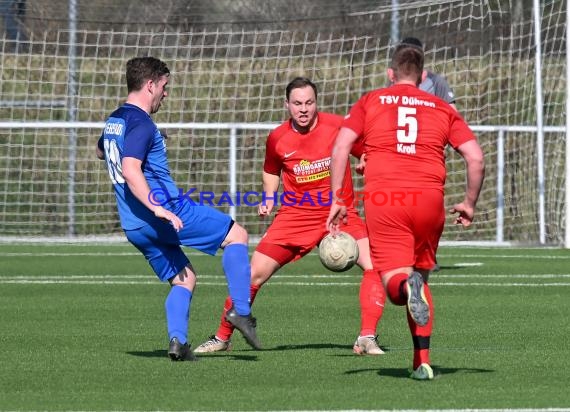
x: 160, y: 353
x: 405, y: 373
x: 309, y: 346
x: 346, y: 347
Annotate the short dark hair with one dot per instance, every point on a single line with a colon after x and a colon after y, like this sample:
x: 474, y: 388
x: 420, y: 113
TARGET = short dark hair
x: 408, y: 62
x: 141, y: 69
x: 298, y: 83
x: 413, y: 41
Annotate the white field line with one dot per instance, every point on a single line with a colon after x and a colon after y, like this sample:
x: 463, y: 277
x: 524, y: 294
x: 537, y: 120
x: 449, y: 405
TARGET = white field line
x: 491, y: 256
x: 425, y: 410
x: 442, y: 410
x: 111, y: 282
x: 295, y: 280
x: 445, y: 410
x: 57, y: 254
x: 146, y: 282
x: 196, y: 253
x: 464, y: 264
x: 503, y: 275
x: 279, y: 276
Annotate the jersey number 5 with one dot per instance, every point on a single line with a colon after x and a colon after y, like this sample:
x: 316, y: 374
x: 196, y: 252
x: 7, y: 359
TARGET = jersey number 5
x: 407, y: 125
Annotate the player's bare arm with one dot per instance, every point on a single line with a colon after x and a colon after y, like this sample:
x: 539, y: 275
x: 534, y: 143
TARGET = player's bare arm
x: 100, y: 154
x: 339, y: 159
x: 358, y: 152
x: 138, y: 185
x: 359, y: 168
x: 270, y: 187
x: 99, y: 149
x: 475, y: 169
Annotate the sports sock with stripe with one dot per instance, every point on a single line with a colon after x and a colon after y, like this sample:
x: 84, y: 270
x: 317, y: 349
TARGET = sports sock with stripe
x: 421, y: 334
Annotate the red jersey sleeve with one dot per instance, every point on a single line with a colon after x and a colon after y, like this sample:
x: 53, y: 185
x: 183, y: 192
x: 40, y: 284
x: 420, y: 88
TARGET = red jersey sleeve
x: 272, y: 163
x: 355, y: 118
x: 459, y: 131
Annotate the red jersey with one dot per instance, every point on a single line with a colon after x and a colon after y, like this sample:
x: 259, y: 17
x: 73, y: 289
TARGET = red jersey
x: 404, y: 132
x: 303, y: 161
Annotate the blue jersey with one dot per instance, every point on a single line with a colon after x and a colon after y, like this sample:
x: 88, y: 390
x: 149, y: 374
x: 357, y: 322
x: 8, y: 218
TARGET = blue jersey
x: 130, y: 132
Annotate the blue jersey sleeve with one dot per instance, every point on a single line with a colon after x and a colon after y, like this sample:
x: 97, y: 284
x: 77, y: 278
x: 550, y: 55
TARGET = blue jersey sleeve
x: 138, y: 141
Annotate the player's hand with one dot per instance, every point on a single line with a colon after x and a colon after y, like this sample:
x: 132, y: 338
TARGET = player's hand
x: 361, y: 164
x: 265, y: 208
x: 337, y: 214
x: 464, y: 213
x: 168, y: 216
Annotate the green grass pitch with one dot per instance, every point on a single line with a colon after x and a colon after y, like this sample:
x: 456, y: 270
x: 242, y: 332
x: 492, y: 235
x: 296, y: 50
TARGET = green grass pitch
x: 82, y: 328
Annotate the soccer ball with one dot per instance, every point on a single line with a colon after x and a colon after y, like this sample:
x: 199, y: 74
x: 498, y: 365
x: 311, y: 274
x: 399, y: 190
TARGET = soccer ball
x: 338, y: 253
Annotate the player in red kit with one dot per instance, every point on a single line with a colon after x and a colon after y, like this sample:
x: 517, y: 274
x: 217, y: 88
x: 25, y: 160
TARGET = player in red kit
x: 404, y: 131
x: 298, y: 155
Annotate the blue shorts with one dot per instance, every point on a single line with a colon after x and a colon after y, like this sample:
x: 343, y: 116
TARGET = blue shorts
x: 205, y: 228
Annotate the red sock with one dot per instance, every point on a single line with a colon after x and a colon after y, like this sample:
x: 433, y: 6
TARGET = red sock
x: 394, y: 289
x: 372, y: 298
x: 226, y: 329
x: 421, y: 334
x: 253, y: 293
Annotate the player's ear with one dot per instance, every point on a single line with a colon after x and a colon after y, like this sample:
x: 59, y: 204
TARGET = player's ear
x: 391, y: 75
x: 424, y: 75
x: 149, y: 86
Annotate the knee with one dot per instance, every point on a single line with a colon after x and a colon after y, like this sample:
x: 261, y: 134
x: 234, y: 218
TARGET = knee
x: 185, y: 278
x: 394, y: 288
x: 396, y: 298
x: 237, y: 234
x: 259, y: 277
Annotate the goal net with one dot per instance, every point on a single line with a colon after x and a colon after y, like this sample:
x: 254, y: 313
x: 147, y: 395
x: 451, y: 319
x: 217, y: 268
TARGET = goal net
x: 230, y: 64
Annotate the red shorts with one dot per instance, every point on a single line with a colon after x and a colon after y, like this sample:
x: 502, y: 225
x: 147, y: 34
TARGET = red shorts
x: 404, y: 226
x: 294, y: 233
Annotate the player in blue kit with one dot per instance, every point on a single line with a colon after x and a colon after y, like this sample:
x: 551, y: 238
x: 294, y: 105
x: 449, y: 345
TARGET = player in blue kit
x: 135, y: 154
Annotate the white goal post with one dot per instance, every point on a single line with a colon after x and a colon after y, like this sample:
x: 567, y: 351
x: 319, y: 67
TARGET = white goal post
x: 227, y: 92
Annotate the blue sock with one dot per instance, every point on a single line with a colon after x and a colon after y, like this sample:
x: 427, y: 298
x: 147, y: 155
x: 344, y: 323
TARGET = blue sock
x: 235, y: 262
x: 177, y: 306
